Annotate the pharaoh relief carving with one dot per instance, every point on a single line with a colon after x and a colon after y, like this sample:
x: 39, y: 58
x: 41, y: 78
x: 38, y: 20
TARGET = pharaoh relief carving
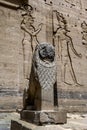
x: 30, y: 38
x: 64, y: 44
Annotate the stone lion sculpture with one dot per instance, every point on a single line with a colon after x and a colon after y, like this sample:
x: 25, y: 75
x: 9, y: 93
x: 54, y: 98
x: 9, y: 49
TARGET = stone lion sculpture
x: 43, y: 75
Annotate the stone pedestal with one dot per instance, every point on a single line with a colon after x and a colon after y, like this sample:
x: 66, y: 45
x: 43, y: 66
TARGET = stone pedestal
x: 44, y: 117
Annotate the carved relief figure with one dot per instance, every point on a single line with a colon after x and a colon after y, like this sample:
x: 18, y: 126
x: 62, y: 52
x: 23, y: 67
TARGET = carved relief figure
x: 30, y: 39
x: 84, y: 33
x: 64, y: 44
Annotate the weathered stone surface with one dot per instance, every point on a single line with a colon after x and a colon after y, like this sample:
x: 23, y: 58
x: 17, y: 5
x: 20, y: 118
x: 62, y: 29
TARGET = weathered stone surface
x: 39, y: 100
x: 42, y: 80
x: 11, y: 49
x: 44, y: 117
x: 22, y: 125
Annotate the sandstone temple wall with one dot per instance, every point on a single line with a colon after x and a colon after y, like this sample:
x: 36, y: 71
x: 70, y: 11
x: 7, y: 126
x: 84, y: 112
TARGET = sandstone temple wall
x: 62, y: 23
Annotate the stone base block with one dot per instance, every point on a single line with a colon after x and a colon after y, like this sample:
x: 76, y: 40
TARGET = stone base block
x: 23, y: 125
x: 44, y: 117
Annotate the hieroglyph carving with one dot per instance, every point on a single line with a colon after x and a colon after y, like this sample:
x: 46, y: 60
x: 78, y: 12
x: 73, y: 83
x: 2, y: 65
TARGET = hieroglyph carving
x: 64, y: 42
x: 30, y: 39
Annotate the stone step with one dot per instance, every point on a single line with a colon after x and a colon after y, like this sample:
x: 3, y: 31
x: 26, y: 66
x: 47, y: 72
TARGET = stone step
x: 19, y: 125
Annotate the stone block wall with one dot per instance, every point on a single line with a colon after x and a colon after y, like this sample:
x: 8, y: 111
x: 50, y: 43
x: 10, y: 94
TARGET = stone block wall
x: 60, y: 22
x: 10, y: 57
x: 73, y: 97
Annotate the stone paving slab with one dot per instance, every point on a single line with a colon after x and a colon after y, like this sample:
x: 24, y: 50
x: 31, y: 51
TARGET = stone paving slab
x: 74, y: 121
